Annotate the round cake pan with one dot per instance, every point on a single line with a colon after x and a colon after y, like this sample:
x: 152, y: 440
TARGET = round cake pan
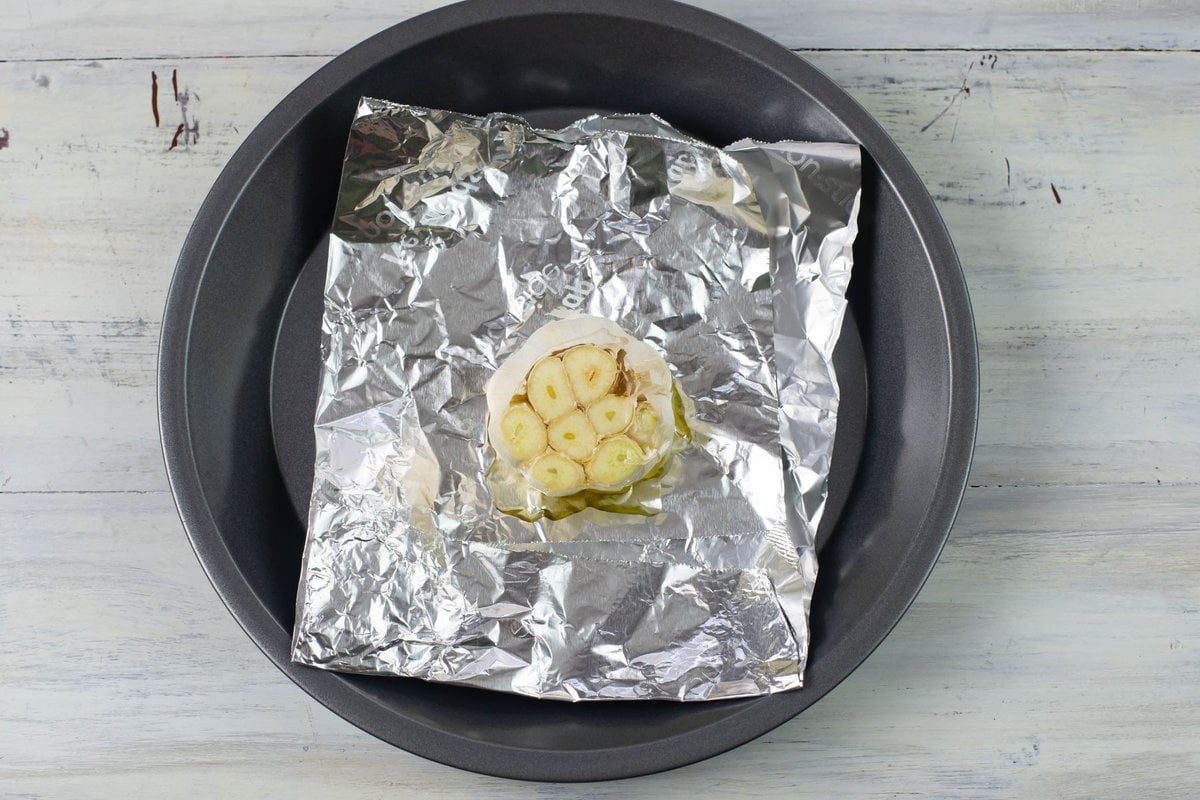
x: 238, y: 359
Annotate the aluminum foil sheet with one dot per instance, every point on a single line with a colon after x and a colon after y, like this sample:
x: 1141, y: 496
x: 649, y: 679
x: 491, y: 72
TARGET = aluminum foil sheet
x: 455, y: 238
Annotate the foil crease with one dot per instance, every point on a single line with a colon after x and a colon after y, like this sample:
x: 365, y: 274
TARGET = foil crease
x: 455, y: 237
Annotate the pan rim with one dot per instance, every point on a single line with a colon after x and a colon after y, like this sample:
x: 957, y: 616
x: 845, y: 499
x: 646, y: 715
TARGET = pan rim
x: 340, y: 694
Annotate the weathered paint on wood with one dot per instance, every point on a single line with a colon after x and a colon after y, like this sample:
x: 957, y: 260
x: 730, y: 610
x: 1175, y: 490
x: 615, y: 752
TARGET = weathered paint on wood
x: 177, y: 29
x: 1054, y: 652
x: 1081, y: 304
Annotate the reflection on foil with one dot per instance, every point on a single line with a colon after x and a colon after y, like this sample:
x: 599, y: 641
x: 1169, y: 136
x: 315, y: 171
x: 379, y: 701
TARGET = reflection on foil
x: 456, y: 238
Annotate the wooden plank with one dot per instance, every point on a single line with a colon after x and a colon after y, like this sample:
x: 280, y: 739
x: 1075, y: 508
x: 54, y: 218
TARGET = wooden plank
x: 176, y: 29
x: 1081, y: 310
x: 95, y: 207
x: 1052, y: 654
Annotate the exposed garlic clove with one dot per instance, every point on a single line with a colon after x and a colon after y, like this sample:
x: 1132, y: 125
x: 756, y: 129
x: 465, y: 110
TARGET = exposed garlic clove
x: 557, y: 474
x: 549, y: 389
x: 611, y: 414
x: 615, y: 461
x: 523, y: 433
x: 647, y: 426
x: 592, y: 371
x: 573, y: 436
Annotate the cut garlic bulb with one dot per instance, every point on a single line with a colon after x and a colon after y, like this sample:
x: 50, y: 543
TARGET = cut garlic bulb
x: 582, y: 405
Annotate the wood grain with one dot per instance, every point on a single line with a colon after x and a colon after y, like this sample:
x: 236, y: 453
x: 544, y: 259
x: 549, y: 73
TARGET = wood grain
x: 1055, y: 651
x: 1039, y: 661
x: 176, y: 29
x: 1074, y: 300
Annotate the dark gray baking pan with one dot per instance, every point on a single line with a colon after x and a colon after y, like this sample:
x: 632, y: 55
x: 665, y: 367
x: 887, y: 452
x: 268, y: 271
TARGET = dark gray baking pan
x: 239, y: 359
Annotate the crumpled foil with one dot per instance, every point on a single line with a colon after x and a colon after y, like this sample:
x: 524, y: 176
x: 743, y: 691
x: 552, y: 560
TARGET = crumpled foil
x: 455, y: 237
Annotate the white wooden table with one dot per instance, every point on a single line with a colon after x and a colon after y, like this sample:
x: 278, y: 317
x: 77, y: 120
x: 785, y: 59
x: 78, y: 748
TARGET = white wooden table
x: 1055, y: 652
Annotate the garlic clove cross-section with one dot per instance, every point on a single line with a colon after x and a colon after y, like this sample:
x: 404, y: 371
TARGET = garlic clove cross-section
x: 582, y: 405
x: 591, y: 371
x: 523, y: 432
x: 611, y: 414
x: 557, y: 473
x: 573, y: 436
x: 614, y: 461
x: 549, y: 389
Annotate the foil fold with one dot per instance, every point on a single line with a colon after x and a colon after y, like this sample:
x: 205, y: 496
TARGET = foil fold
x: 455, y: 238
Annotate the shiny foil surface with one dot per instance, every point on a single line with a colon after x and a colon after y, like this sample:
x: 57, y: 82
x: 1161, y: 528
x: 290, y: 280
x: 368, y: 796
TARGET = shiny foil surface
x: 455, y: 238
